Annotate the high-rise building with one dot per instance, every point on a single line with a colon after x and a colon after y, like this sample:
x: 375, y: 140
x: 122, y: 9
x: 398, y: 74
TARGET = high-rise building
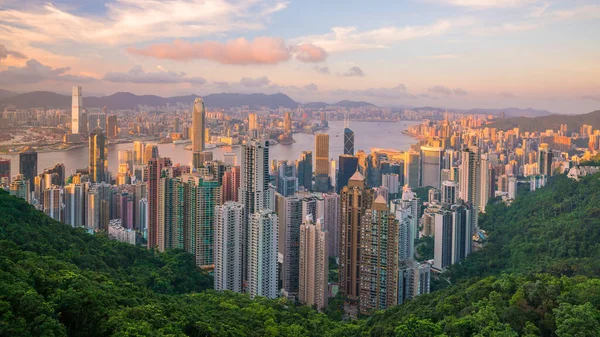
x: 75, y: 210
x: 305, y: 170
x: 231, y: 184
x: 198, y: 125
x: 431, y: 166
x: 333, y: 173
x: 485, y: 178
x: 322, y: 162
x: 313, y: 264
x: 287, y: 122
x: 229, y: 158
x: 348, y: 165
x: 19, y: 187
x: 331, y: 221
x: 348, y: 141
x: 76, y: 109
x: 155, y: 168
x: 201, y: 157
x: 4, y: 172
x: 289, y: 210
x: 54, y: 203
x: 138, y: 153
x: 355, y: 198
x: 461, y: 232
x: 449, y: 192
x: 98, y: 156
x: 126, y: 157
x: 391, y: 181
x: 28, y: 160
x: 442, y: 251
x: 412, y: 169
x: 228, y: 246
x: 469, y: 176
x: 286, y: 180
x: 96, y: 120
x: 252, y: 122
x: 378, y: 258
x: 111, y: 127
x: 545, y: 159
x: 413, y: 280
x: 262, y: 254
x: 150, y: 152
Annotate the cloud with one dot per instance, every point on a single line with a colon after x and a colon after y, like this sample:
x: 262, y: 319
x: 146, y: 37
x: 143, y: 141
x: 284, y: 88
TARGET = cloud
x: 353, y: 72
x: 484, y: 4
x: 507, y: 94
x: 459, y: 92
x: 440, y: 57
x: 397, y: 92
x: 134, y: 21
x: 5, y: 53
x: 311, y: 87
x: 310, y: 53
x: 138, y: 75
x: 35, y: 72
x: 440, y: 89
x: 591, y: 97
x: 350, y: 38
x: 255, y: 82
x: 322, y: 70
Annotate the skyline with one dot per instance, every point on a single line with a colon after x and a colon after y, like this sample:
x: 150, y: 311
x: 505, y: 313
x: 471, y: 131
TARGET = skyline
x: 445, y: 53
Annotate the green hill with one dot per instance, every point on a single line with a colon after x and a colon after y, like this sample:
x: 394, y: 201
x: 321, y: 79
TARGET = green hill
x: 536, y: 277
x: 543, y: 123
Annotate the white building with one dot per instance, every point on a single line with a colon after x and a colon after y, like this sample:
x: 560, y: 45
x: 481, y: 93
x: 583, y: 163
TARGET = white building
x: 262, y: 254
x: 314, y: 264
x: 228, y: 246
x: 76, y: 109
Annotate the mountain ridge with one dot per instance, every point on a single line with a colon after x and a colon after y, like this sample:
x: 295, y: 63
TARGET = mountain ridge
x: 543, y: 123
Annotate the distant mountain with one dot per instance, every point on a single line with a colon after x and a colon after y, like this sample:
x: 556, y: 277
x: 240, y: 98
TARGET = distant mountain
x: 126, y: 100
x: 511, y: 112
x: 344, y: 104
x: 574, y: 122
x: 6, y: 93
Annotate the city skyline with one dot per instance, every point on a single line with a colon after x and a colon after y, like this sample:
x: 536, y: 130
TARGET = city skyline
x: 447, y: 53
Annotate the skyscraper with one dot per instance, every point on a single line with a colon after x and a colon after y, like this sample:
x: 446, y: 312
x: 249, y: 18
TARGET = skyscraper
x: 442, y: 251
x: 348, y: 141
x: 545, y: 159
x: 74, y: 205
x: 449, y: 192
x: 252, y: 123
x: 155, y: 167
x: 228, y: 246
x: 138, y: 153
x: 4, y: 171
x: 286, y: 180
x: 262, y: 254
x: 322, y: 162
x: 111, y: 127
x: 231, y: 184
x: 287, y: 122
x: 431, y: 166
x: 289, y: 210
x: 348, y: 165
x: 98, y: 156
x: 313, y: 264
x: 461, y: 232
x: 305, y: 170
x: 412, y: 169
x: 198, y: 125
x: 150, y: 152
x: 76, y: 109
x: 331, y: 221
x: 354, y: 199
x: 469, y: 176
x: 28, y: 160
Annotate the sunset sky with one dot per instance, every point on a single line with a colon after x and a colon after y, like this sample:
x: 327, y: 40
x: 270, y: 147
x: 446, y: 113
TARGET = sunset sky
x: 444, y: 53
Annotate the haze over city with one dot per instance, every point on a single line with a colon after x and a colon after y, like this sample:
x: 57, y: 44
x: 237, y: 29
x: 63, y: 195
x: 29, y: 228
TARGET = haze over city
x: 442, y: 53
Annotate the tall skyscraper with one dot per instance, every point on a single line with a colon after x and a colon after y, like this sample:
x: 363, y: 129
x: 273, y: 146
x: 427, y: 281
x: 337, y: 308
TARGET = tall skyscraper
x: 313, y: 264
x: 126, y: 157
x: 354, y: 199
x: 322, y: 162
x: 289, y: 210
x: 413, y: 280
x: 111, y: 127
x: 28, y: 160
x: 231, y: 184
x: 252, y: 122
x: 412, y: 169
x: 287, y: 122
x: 348, y: 141
x: 461, y: 232
x: 305, y: 170
x: 378, y: 258
x: 331, y: 221
x: 96, y: 120
x: 150, y: 152
x: 4, y: 172
x: 54, y: 203
x: 98, y: 156
x: 19, y: 187
x: 442, y: 251
x: 198, y: 125
x: 469, y: 176
x: 228, y: 246
x: 485, y: 178
x: 449, y: 192
x: 138, y: 153
x: 348, y: 165
x: 75, y: 210
x: 76, y: 109
x: 262, y: 254
x: 431, y: 166
x: 155, y: 167
x: 545, y: 159
x: 286, y: 180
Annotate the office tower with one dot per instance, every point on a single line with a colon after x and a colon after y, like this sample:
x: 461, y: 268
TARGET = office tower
x: 545, y: 159
x: 331, y: 221
x: 28, y: 160
x: 378, y: 258
x: 512, y: 187
x: 231, y: 184
x: 392, y: 183
x: 126, y: 157
x: 348, y: 141
x: 98, y: 156
x: 155, y: 167
x: 286, y: 180
x: 76, y: 106
x: 111, y: 127
x: 252, y: 123
x: 201, y: 157
x: 262, y: 254
x: 287, y: 122
x: 413, y: 280
x: 4, y: 172
x: 96, y: 120
x: 229, y: 158
x: 138, y: 153
x: 198, y: 125
x: 150, y: 152
x: 442, y: 251
x: 304, y: 170
x: 348, y: 165
x: 411, y: 204
x: 354, y: 199
x: 19, y: 187
x: 54, y: 203
x: 322, y: 162
x: 142, y: 213
x: 412, y: 169
x: 228, y: 246
x: 469, y: 177
x: 313, y: 287
x: 289, y: 210
x: 75, y: 204
x: 461, y: 232
x: 431, y: 166
x: 333, y: 173
x: 449, y: 192
x: 485, y: 178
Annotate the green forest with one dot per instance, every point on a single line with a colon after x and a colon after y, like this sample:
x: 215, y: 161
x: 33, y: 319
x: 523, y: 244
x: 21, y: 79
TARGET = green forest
x: 536, y: 276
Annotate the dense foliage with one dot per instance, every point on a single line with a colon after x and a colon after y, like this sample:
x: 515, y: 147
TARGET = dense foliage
x: 535, y: 277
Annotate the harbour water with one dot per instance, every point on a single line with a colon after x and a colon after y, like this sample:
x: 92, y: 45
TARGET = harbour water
x: 367, y: 135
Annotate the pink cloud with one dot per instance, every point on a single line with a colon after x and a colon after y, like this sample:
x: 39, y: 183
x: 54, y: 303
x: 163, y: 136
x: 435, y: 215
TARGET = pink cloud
x: 310, y: 53
x: 262, y: 50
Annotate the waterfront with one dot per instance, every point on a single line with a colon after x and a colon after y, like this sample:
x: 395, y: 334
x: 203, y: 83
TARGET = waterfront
x: 367, y: 135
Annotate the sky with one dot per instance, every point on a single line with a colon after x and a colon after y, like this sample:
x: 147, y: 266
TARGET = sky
x: 442, y: 53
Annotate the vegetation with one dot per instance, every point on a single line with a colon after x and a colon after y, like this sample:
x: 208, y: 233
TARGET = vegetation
x: 537, y: 276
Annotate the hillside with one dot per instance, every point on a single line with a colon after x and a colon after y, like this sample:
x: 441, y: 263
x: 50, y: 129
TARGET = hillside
x: 543, y: 123
x: 58, y: 281
x: 6, y: 93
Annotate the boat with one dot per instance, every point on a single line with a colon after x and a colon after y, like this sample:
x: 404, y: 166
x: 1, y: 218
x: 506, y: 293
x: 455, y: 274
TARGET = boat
x: 182, y: 141
x: 210, y: 146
